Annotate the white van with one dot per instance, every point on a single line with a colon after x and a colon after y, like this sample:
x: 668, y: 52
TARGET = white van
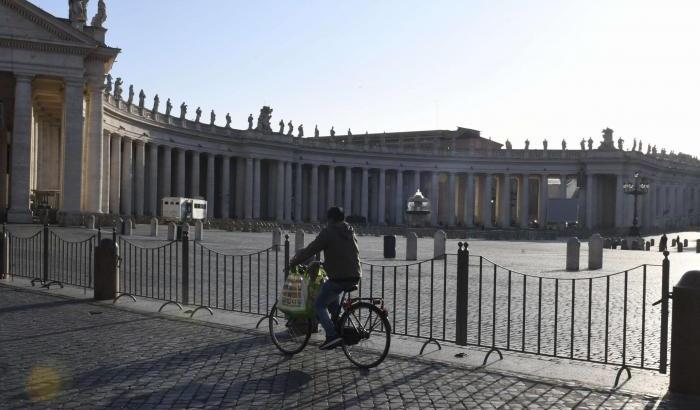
x: 181, y: 209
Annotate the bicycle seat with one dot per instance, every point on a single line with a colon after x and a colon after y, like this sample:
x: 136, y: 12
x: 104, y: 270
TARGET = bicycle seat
x: 351, y: 288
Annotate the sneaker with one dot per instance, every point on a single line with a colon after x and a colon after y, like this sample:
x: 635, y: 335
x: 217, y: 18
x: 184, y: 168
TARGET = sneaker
x: 331, y: 343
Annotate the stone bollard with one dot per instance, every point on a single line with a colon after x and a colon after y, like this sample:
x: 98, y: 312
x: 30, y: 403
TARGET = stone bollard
x: 198, y: 230
x: 299, y: 240
x: 573, y: 253
x: 439, y: 242
x: 653, y: 242
x: 128, y: 227
x: 154, y: 226
x: 697, y: 246
x: 685, y: 243
x: 276, y: 237
x: 648, y: 246
x: 411, y: 246
x: 172, y: 231
x: 673, y: 243
x: 595, y: 252
x: 685, y: 335
x: 106, y: 278
x: 680, y: 247
x: 90, y: 222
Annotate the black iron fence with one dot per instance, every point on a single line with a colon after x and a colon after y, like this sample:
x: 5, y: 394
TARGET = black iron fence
x: 617, y: 319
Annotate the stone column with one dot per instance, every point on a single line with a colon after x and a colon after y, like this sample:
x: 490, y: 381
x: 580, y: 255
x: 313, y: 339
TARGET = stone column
x: 139, y: 177
x: 400, y: 200
x: 331, y: 186
x: 469, y: 201
x: 21, y: 151
x: 364, y: 196
x: 166, y: 183
x: 73, y: 146
x: 194, y: 175
x: 225, y: 204
x: 505, y: 201
x: 347, y: 197
x: 279, y: 195
x: 256, y: 189
x: 288, y: 192
x: 152, y: 193
x: 248, y: 208
x: 181, y: 172
x: 524, y: 201
x: 590, y: 201
x: 313, y: 196
x: 106, y: 166
x: 544, y: 198
x: 115, y: 173
x: 451, y: 198
x: 381, y: 198
x: 486, y: 201
x: 298, y: 214
x: 126, y: 187
x: 562, y: 186
x: 211, y: 183
x: 95, y: 139
x: 434, y: 198
x: 619, y: 203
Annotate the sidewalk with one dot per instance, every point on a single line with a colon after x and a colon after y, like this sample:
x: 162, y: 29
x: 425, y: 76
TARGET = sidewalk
x: 68, y: 352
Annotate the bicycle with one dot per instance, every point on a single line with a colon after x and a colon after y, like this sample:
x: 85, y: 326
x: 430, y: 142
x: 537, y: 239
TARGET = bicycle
x: 291, y: 335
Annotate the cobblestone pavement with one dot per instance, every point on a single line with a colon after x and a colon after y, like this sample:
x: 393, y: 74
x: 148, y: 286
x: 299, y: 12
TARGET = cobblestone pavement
x: 64, y: 353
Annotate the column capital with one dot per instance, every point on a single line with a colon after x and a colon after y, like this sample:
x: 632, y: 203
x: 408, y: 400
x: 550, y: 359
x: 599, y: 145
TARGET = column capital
x: 23, y: 77
x: 138, y: 141
x: 74, y: 82
x: 115, y: 136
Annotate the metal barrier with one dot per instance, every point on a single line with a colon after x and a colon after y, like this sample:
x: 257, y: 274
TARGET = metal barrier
x: 583, y: 319
x: 69, y: 261
x: 247, y: 283
x: 417, y: 295
x: 150, y: 271
x: 461, y: 298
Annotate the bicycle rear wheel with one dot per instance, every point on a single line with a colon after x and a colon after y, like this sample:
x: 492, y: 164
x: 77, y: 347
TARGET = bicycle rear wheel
x: 366, y: 334
x: 290, y: 335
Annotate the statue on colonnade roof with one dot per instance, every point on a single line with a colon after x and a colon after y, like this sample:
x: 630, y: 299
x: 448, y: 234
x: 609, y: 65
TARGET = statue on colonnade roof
x: 99, y: 19
x: 264, y: 120
x: 77, y: 10
x: 316, y: 132
x: 228, y: 120
x: 607, y: 143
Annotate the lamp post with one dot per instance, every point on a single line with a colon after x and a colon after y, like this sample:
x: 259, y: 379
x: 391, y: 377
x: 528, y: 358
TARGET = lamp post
x: 636, y: 189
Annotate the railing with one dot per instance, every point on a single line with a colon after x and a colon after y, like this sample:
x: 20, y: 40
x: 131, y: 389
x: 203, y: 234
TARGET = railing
x: 150, y: 271
x: 467, y: 299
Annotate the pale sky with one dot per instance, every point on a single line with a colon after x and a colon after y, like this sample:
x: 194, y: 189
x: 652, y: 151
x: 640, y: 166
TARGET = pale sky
x: 512, y: 69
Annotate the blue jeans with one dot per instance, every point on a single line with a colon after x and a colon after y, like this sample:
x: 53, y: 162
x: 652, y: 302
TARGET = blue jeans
x: 329, y: 299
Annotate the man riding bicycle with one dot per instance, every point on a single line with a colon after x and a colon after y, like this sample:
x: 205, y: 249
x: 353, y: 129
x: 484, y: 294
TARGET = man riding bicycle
x: 342, y: 264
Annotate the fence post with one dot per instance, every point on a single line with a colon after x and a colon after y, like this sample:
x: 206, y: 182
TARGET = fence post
x: 99, y: 234
x: 286, y: 255
x: 185, y: 267
x: 663, y: 345
x: 4, y: 254
x: 114, y: 233
x: 462, y: 293
x: 45, y: 256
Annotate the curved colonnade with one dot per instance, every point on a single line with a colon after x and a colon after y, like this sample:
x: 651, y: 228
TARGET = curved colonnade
x: 246, y: 174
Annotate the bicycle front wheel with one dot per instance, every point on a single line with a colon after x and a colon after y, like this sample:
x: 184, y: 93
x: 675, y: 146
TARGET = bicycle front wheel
x: 366, y: 334
x: 290, y: 335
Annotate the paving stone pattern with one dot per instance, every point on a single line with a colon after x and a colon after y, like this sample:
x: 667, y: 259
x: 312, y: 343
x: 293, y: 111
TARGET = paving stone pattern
x: 63, y: 353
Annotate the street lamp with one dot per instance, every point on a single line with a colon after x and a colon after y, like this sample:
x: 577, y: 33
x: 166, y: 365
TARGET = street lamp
x: 636, y: 189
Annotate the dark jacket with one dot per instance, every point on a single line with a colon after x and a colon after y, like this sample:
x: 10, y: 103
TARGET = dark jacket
x: 340, y: 252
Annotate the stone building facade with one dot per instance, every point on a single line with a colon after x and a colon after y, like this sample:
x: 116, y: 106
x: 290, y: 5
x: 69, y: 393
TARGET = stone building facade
x: 87, y: 150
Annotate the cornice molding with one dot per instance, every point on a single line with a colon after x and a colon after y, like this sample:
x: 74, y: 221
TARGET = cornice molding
x: 54, y: 26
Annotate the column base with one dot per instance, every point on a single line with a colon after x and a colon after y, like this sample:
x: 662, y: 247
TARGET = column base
x: 19, y: 216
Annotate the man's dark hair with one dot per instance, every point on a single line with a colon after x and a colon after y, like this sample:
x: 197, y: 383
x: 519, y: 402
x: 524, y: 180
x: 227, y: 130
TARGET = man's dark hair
x: 335, y: 214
